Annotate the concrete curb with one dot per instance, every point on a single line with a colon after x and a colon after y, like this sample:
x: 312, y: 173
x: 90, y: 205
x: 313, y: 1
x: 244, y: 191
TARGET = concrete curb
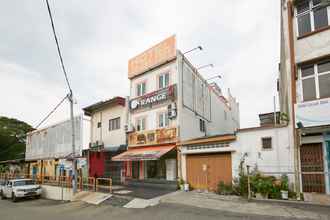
x: 290, y: 202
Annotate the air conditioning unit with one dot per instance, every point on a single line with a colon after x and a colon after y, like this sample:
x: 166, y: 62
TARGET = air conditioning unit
x: 99, y: 143
x: 129, y: 128
x: 171, y: 110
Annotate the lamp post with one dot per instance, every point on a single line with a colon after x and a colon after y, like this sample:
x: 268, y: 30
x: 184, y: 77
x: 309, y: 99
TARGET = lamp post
x: 204, y: 66
x: 196, y: 48
x: 214, y: 77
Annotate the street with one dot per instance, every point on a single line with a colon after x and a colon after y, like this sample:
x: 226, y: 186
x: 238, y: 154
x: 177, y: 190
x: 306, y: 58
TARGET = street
x: 53, y: 210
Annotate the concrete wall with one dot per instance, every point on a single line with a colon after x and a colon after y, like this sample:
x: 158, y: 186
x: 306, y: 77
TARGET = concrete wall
x: 110, y: 138
x: 151, y: 79
x: 219, y: 116
x: 277, y: 161
x: 151, y: 116
x: 55, y: 193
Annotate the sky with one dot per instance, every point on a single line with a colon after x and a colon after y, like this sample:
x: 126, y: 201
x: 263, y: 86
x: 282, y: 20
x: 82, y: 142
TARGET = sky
x: 240, y: 37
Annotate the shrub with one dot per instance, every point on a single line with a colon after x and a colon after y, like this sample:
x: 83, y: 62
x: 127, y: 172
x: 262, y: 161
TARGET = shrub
x: 284, y: 182
x: 225, y: 189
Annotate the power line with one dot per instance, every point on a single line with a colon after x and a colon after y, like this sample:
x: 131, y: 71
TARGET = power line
x: 51, y: 112
x: 58, y: 47
x: 13, y: 143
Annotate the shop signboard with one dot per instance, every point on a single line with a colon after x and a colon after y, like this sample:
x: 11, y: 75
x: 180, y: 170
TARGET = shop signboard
x: 153, y: 98
x: 313, y: 113
x: 151, y: 137
x: 161, y: 53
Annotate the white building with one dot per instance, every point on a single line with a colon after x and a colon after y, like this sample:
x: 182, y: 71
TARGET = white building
x: 108, y: 137
x: 48, y: 149
x: 266, y: 149
x: 304, y: 86
x: 170, y: 102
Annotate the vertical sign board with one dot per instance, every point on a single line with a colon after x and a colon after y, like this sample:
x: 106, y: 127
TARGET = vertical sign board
x: 313, y: 113
x: 156, y: 55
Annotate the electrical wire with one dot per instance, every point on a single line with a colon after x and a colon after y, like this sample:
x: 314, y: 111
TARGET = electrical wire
x: 51, y: 112
x: 58, y: 47
x: 12, y: 144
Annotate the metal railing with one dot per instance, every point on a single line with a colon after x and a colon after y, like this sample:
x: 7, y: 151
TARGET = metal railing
x: 83, y: 183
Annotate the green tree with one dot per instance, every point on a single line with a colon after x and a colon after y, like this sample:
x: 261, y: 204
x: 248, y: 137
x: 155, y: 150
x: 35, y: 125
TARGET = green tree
x: 12, y: 138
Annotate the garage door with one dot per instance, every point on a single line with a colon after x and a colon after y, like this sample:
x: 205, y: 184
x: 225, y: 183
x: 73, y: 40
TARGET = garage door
x: 207, y: 170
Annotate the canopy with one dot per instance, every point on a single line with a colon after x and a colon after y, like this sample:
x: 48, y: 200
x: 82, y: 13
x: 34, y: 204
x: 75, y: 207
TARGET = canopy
x: 143, y: 153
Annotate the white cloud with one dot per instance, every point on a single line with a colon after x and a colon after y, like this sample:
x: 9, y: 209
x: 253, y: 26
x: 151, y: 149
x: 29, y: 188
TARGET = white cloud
x: 241, y: 37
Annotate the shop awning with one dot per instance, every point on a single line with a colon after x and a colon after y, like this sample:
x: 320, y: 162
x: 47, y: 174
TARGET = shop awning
x: 143, y: 153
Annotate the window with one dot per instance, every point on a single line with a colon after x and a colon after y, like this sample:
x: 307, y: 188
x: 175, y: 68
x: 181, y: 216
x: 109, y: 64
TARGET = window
x: 141, y: 124
x: 141, y: 89
x: 311, y: 16
x: 99, y: 124
x: 163, y: 120
x: 114, y: 124
x: 163, y: 80
x: 315, y: 80
x: 266, y: 143
x: 202, y: 126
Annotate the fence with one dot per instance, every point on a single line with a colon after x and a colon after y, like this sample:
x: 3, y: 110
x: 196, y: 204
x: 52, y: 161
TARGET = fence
x: 83, y: 184
x: 309, y: 182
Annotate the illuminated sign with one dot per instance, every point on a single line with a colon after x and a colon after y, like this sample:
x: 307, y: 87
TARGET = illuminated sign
x: 153, y: 98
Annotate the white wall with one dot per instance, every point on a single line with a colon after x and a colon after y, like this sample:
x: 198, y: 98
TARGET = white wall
x: 55, y: 193
x: 151, y: 116
x: 55, y: 141
x: 277, y: 160
x: 191, y: 109
x: 112, y: 138
x: 151, y: 79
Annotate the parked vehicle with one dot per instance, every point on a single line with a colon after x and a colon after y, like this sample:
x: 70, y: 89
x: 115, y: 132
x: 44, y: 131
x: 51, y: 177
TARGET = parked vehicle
x: 20, y: 188
x: 2, y: 184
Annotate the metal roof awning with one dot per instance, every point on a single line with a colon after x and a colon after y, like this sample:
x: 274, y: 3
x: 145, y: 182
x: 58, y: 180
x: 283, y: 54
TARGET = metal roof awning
x: 144, y: 153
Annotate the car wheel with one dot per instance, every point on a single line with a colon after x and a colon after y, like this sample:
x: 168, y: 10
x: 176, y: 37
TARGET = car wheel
x: 38, y: 196
x: 2, y: 195
x: 13, y: 197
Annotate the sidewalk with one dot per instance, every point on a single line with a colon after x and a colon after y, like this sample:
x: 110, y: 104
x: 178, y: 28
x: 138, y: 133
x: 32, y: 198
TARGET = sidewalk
x: 237, y: 205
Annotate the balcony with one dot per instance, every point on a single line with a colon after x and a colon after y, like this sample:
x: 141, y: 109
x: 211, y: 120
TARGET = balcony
x: 152, y: 137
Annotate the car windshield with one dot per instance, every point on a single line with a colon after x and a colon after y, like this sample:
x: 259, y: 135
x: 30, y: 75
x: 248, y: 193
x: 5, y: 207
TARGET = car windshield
x: 24, y: 182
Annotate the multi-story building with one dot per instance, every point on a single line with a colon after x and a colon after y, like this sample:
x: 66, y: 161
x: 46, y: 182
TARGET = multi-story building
x: 170, y: 102
x: 108, y: 137
x: 304, y: 87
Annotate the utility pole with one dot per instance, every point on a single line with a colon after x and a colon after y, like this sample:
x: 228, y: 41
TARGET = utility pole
x: 74, y: 161
x: 70, y: 97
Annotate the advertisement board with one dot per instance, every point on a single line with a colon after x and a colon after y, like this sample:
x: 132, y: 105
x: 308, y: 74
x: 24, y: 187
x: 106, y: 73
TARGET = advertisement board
x: 156, y: 55
x: 313, y: 113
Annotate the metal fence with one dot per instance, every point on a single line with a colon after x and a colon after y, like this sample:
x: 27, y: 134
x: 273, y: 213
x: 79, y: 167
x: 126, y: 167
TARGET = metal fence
x: 83, y: 184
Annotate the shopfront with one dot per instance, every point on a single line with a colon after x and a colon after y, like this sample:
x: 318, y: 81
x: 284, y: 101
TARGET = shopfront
x: 150, y: 163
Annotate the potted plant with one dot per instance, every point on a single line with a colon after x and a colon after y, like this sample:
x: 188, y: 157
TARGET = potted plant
x: 285, y: 187
x: 263, y: 186
x: 181, y: 184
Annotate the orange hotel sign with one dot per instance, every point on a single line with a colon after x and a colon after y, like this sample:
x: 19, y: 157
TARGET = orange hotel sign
x: 156, y: 55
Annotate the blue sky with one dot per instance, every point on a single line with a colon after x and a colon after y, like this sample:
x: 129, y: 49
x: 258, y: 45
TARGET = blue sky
x: 240, y: 37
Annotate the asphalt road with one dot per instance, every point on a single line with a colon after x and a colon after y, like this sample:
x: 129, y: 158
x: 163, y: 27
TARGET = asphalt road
x: 53, y: 210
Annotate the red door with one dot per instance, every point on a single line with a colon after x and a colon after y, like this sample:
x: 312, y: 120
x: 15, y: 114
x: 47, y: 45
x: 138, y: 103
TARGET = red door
x: 96, y: 164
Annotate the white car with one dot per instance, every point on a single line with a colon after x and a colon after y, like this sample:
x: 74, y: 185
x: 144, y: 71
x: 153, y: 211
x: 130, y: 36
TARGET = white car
x: 20, y: 188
